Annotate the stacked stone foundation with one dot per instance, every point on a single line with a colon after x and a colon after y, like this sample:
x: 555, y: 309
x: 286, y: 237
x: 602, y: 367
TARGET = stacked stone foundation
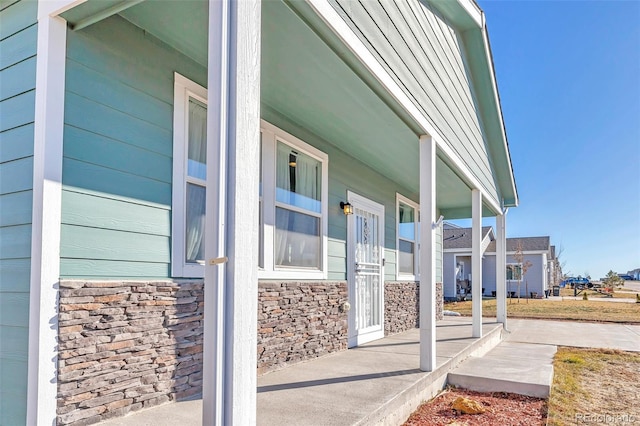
x: 402, y: 306
x: 124, y: 346
x: 127, y: 345
x: 298, y: 321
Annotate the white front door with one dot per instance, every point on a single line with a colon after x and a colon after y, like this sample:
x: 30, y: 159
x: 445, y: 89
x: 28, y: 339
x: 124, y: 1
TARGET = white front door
x: 365, y: 252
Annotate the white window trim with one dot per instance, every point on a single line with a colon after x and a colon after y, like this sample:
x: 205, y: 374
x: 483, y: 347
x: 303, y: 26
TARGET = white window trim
x: 183, y: 90
x: 416, y: 254
x: 270, y: 136
x: 507, y: 267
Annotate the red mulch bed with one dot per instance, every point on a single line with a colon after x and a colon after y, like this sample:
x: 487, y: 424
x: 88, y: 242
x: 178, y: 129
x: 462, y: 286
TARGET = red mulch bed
x: 502, y: 409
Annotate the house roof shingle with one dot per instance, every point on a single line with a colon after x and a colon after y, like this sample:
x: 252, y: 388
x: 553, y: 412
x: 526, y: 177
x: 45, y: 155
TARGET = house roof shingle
x: 461, y: 237
x: 528, y: 244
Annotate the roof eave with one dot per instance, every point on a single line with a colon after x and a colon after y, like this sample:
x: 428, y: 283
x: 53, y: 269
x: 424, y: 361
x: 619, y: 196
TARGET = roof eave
x: 469, y: 20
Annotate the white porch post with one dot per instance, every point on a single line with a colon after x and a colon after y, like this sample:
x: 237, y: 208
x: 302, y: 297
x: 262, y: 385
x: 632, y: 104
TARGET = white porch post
x: 231, y: 291
x: 46, y: 216
x: 476, y: 261
x: 427, y: 254
x: 501, y: 266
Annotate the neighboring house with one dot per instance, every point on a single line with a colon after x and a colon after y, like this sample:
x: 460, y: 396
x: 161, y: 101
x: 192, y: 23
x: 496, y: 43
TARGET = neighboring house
x: 457, y: 257
x: 535, y: 251
x: 456, y: 272
x: 150, y: 149
x: 635, y: 274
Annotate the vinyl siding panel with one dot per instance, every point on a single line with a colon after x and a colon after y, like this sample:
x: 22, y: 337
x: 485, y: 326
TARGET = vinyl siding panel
x: 18, y: 43
x: 422, y: 53
x: 118, y: 148
x: 17, y: 79
x: 16, y: 143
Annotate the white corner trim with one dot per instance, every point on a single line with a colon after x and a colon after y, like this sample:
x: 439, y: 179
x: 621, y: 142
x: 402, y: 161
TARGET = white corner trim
x: 334, y: 21
x: 46, y: 215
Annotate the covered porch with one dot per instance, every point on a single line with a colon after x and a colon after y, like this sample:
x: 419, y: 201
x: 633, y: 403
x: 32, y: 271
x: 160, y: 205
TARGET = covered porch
x: 377, y: 382
x: 298, y: 66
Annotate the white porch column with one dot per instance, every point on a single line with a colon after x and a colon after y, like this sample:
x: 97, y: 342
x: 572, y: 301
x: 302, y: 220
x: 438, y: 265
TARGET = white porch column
x: 501, y: 266
x: 42, y: 387
x: 427, y: 254
x: 476, y: 261
x: 231, y: 291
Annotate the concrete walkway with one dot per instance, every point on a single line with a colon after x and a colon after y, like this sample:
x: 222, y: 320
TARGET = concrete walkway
x: 523, y: 362
x: 376, y: 382
x: 380, y: 381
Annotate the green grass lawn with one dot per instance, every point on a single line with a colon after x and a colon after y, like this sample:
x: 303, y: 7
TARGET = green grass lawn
x: 594, y: 382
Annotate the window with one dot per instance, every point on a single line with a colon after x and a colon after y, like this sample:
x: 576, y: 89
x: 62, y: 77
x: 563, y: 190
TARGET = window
x: 293, y: 207
x: 189, y: 178
x: 408, y: 234
x: 514, y: 272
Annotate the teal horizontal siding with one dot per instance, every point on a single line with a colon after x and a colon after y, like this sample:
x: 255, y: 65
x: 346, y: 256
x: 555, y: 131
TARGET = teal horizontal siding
x: 118, y: 148
x: 18, y: 79
x: 15, y: 242
x: 108, y: 269
x: 17, y: 111
x: 91, y: 116
x: 14, y: 309
x: 120, y: 215
x: 18, y: 45
x: 17, y: 17
x: 14, y: 275
x: 79, y: 242
x: 85, y: 176
x: 108, y: 91
x: 16, y: 143
x: 94, y: 149
x: 16, y: 176
x: 16, y: 208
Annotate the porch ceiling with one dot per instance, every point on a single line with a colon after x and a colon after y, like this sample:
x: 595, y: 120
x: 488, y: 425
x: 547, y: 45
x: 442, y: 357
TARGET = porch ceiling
x: 310, y: 84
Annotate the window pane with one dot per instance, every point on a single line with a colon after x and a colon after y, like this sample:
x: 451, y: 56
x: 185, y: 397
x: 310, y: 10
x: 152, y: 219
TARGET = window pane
x: 298, y: 179
x: 406, y: 222
x: 406, y: 257
x: 194, y: 232
x: 197, y: 152
x: 297, y: 239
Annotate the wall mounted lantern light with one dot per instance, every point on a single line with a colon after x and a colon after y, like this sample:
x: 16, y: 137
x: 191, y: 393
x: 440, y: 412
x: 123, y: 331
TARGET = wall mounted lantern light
x: 347, y: 208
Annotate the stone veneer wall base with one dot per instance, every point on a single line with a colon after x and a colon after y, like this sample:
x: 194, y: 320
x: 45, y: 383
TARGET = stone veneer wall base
x: 401, y: 304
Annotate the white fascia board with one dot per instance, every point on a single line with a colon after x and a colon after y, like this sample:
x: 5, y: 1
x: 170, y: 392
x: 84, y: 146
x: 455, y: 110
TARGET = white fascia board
x: 335, y: 22
x: 473, y: 11
x: 496, y: 96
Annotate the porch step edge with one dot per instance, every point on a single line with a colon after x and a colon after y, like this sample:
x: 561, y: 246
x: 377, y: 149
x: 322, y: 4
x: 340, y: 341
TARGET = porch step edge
x: 397, y: 410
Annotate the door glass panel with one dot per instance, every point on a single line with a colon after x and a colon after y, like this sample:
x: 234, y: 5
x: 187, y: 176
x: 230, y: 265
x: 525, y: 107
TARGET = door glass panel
x: 368, y: 269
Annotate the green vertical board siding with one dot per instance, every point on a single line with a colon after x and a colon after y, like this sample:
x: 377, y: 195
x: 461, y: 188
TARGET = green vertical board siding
x: 18, y: 44
x: 439, y: 248
x: 118, y: 148
x: 421, y: 52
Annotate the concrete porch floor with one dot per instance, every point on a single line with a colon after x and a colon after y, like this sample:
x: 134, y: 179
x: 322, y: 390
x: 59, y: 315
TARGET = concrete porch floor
x: 376, y: 383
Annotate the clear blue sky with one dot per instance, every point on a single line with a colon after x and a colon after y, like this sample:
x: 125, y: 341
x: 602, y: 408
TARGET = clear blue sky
x: 569, y: 79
